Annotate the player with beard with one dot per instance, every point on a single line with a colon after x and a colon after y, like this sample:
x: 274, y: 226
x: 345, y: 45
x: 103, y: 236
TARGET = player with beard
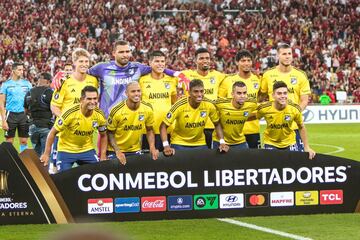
x: 245, y: 63
x: 295, y: 79
x: 212, y: 80
x: 279, y: 115
x: 115, y: 75
x: 76, y: 127
x: 234, y: 113
x: 126, y: 123
x: 189, y: 115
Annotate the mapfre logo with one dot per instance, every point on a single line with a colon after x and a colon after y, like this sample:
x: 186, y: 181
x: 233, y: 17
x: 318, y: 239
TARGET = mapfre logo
x: 153, y: 204
x: 100, y: 206
x: 328, y: 197
x: 281, y: 199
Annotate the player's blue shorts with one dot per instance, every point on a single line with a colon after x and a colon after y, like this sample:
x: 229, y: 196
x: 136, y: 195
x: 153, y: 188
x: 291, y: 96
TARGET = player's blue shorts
x: 293, y: 147
x: 111, y: 155
x: 66, y: 160
x: 182, y: 147
x: 244, y: 145
x: 299, y: 143
x: 253, y: 140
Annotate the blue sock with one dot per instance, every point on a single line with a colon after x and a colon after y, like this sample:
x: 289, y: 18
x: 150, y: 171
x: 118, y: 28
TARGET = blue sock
x: 23, y: 147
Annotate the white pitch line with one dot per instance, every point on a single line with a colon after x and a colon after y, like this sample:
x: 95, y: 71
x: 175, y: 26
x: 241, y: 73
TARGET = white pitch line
x: 263, y: 229
x: 338, y: 149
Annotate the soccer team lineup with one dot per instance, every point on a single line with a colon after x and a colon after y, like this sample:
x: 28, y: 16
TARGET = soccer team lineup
x: 134, y: 107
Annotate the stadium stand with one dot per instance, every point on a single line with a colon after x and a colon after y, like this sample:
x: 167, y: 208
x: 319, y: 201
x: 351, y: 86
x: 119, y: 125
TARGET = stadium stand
x: 325, y: 34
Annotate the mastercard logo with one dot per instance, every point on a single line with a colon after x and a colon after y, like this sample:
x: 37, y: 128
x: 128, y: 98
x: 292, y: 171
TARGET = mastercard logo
x: 257, y: 200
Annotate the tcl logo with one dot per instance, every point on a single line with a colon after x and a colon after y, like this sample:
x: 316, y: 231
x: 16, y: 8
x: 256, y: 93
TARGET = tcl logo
x: 331, y: 197
x: 153, y: 204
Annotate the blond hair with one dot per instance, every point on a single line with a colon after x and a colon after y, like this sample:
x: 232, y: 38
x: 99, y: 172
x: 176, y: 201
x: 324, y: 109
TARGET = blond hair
x: 79, y: 52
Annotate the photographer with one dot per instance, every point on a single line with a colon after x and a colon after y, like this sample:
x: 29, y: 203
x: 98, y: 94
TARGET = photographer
x: 37, y: 106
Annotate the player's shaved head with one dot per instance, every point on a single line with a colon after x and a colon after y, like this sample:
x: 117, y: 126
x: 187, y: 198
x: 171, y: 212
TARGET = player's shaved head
x: 131, y: 84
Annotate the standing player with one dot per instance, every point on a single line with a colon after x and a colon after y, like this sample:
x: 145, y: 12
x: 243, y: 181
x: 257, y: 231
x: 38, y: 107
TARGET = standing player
x: 159, y: 90
x: 115, y: 75
x: 126, y: 123
x: 211, y: 79
x: 190, y: 115
x: 76, y: 127
x: 245, y: 62
x: 295, y: 79
x: 70, y: 91
x: 12, y: 94
x: 234, y: 113
x: 279, y: 115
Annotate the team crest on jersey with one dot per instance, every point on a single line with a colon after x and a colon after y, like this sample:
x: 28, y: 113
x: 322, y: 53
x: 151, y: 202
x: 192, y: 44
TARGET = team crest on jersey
x: 167, y: 85
x: 203, y: 114
x: 168, y: 116
x: 287, y: 118
x: 60, y: 122
x: 293, y: 81
x: 212, y: 80
x: 256, y: 85
x: 246, y: 113
x: 141, y: 117
x: 56, y: 96
x: 131, y: 71
x: 95, y: 124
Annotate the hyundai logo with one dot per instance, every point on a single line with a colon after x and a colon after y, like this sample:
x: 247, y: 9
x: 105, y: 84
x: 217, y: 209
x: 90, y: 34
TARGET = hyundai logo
x: 308, y: 115
x: 231, y: 198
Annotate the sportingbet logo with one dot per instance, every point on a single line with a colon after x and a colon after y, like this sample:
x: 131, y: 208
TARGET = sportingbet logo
x: 281, y: 199
x: 234, y: 200
x: 205, y: 202
x: 328, y: 197
x: 153, y: 204
x: 127, y: 205
x: 100, y: 205
x: 254, y: 200
x: 306, y: 198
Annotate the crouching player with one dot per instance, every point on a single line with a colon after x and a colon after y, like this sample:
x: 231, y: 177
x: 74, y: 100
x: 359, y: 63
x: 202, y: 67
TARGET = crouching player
x: 279, y: 115
x: 76, y: 128
x: 234, y: 112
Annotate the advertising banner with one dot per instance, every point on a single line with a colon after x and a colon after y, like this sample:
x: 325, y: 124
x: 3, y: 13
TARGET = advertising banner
x: 192, y: 184
x: 332, y: 114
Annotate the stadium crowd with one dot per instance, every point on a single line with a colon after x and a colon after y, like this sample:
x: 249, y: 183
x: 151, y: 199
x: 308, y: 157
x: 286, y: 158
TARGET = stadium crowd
x: 325, y: 34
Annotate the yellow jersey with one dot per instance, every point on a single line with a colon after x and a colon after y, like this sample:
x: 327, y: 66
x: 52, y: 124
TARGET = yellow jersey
x: 212, y: 82
x: 296, y: 81
x: 76, y: 130
x: 128, y: 125
x: 278, y: 131
x: 190, y: 122
x: 70, y: 91
x: 233, y: 120
x: 253, y: 86
x: 158, y: 92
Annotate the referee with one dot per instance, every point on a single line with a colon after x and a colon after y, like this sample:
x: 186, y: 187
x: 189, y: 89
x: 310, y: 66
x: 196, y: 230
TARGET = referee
x: 12, y: 94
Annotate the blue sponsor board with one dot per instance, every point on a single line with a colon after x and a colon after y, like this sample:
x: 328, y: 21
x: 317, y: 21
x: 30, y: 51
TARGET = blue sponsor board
x: 179, y: 203
x: 127, y: 205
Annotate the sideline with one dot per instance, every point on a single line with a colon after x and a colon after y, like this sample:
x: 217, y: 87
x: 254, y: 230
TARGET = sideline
x: 263, y: 229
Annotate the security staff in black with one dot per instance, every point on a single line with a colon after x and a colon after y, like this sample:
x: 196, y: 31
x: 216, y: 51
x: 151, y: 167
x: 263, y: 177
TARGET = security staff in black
x: 37, y: 106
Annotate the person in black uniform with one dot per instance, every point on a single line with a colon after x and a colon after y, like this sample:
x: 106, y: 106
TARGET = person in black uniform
x: 37, y: 106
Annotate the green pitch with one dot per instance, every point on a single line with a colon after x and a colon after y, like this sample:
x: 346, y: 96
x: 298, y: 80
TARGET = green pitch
x: 336, y: 139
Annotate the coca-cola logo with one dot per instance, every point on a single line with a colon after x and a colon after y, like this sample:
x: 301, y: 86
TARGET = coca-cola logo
x: 153, y: 204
